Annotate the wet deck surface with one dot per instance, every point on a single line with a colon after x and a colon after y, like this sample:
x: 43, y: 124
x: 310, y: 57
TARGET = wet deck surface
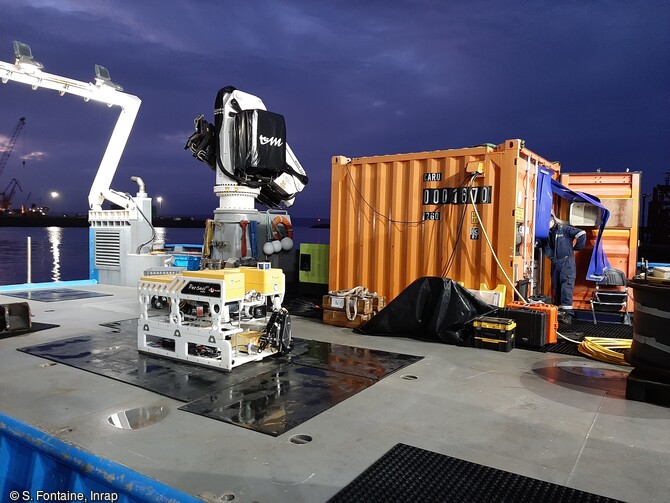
x: 56, y: 295
x: 557, y: 418
x: 271, y: 396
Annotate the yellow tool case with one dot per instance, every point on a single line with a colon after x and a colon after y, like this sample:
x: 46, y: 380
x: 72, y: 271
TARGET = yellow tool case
x: 494, y: 333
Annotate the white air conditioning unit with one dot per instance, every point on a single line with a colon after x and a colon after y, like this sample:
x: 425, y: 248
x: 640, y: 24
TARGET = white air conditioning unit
x: 585, y: 215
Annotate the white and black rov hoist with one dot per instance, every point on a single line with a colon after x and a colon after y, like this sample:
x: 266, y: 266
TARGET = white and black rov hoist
x: 224, y: 316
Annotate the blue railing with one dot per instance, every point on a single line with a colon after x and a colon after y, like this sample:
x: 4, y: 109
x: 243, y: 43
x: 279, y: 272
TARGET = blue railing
x: 36, y: 466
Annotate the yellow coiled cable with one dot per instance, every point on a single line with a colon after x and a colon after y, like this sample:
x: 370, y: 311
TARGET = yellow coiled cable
x: 601, y: 348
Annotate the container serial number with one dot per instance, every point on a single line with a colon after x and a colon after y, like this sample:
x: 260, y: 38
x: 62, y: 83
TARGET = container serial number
x: 458, y: 195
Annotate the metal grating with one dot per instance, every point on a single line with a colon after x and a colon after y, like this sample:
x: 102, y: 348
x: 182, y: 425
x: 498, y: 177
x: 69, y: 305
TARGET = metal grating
x: 107, y: 249
x: 578, y: 329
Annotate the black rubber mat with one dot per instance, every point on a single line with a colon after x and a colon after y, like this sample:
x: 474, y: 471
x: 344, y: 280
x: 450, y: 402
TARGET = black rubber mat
x: 368, y: 363
x: 270, y: 396
x: 55, y: 295
x: 407, y: 473
x: 590, y: 329
x: 115, y: 355
x: 34, y: 327
x: 279, y: 400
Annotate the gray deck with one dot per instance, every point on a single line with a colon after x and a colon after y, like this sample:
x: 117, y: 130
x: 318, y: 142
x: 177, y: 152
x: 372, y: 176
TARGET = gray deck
x: 526, y: 412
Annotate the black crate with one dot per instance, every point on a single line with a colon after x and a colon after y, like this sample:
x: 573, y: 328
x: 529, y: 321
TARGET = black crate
x: 494, y: 333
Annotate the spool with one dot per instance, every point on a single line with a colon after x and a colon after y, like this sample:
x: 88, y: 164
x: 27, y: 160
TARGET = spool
x: 650, y: 348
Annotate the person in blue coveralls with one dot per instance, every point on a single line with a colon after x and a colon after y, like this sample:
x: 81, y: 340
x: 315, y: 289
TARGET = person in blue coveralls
x: 560, y: 247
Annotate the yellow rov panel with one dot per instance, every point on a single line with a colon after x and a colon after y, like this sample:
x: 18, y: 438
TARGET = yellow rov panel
x: 233, y: 281
x: 264, y: 281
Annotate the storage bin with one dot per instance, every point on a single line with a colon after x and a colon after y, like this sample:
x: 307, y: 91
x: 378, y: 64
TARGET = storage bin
x: 191, y: 262
x: 494, y: 333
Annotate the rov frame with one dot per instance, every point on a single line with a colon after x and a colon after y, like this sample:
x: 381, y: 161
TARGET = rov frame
x: 217, y: 318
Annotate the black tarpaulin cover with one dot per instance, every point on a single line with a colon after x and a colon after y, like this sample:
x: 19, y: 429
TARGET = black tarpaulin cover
x: 430, y: 308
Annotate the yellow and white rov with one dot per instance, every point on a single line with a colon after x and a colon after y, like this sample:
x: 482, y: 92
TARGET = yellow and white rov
x: 218, y: 318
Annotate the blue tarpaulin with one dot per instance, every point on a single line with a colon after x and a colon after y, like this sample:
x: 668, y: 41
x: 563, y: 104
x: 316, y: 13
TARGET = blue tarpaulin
x: 546, y: 188
x: 545, y: 202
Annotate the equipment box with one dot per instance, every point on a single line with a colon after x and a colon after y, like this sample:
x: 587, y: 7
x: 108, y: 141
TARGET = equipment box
x: 339, y: 319
x: 494, y: 333
x: 357, y: 304
x: 552, y: 317
x: 265, y: 281
x: 531, y: 326
x: 224, y: 283
x: 378, y: 303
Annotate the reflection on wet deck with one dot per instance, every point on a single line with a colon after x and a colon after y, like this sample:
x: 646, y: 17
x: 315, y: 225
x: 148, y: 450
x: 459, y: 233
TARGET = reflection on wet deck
x: 271, y: 396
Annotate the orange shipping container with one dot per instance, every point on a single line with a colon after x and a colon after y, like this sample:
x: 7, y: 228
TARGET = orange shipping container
x: 620, y: 194
x: 395, y: 218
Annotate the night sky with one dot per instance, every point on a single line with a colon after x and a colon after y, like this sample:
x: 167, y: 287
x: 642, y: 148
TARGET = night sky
x: 584, y: 83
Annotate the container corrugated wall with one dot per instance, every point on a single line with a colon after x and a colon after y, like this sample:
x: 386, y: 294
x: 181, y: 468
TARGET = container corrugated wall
x: 619, y: 193
x: 395, y: 218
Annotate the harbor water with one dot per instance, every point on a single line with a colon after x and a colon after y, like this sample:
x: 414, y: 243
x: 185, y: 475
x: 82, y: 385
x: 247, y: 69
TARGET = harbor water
x: 62, y: 253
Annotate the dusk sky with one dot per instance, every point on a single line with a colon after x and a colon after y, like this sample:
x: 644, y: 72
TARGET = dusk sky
x: 584, y: 83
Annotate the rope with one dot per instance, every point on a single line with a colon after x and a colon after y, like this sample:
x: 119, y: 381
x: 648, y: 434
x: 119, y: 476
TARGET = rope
x: 356, y: 292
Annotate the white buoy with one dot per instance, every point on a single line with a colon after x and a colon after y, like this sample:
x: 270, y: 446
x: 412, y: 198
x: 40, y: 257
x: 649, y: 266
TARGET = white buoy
x: 277, y: 246
x: 268, y: 249
x: 286, y: 243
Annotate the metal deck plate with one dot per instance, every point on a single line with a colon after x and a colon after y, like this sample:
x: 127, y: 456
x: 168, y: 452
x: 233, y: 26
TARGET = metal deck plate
x: 270, y: 396
x: 407, y: 473
x: 55, y: 295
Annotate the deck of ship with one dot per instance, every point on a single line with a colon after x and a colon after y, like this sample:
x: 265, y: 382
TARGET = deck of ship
x: 543, y: 415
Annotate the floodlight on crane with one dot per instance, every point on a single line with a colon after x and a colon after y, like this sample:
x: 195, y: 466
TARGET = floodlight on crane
x: 24, y: 57
x: 124, y: 231
x: 102, y: 78
x: 28, y: 71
